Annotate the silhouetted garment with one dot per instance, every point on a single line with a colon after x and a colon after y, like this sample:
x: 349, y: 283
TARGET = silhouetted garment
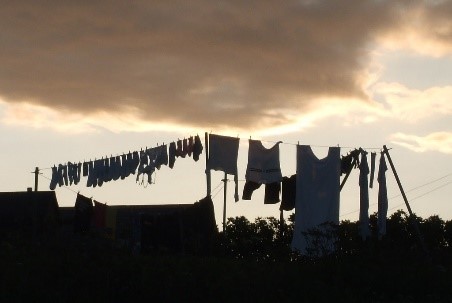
x: 83, y: 214
x: 54, y: 180
x: 372, y: 169
x: 197, y: 148
x: 172, y: 154
x: 382, y: 197
x: 223, y: 153
x: 263, y: 164
x: 317, y: 199
x: 272, y: 191
x: 179, y: 150
x: 288, y: 190
x: 190, y: 146
x: 99, y: 215
x: 364, y: 197
x: 184, y: 148
x: 249, y: 188
x: 85, y: 169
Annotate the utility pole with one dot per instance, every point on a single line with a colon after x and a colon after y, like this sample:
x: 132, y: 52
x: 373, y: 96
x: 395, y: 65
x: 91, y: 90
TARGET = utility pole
x: 36, y: 172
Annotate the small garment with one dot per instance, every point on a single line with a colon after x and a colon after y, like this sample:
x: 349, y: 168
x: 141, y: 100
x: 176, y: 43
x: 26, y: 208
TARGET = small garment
x: 124, y: 173
x: 223, y: 154
x: 197, y: 148
x: 373, y: 155
x: 249, y: 188
x: 172, y: 154
x: 184, y: 148
x: 91, y: 180
x: 85, y: 169
x: 288, y: 190
x: 190, y: 146
x: 364, y: 197
x: 317, y: 201
x: 179, y: 150
x: 77, y: 173
x: 272, y: 191
x: 263, y: 164
x: 382, y: 197
x: 55, y: 178
x: 83, y: 214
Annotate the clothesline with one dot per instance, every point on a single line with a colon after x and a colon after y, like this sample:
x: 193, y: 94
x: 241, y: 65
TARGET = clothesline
x: 410, y: 190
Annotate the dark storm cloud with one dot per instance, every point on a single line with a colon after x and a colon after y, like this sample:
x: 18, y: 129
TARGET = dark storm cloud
x: 199, y: 63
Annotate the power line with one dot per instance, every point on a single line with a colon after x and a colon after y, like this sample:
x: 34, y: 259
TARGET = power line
x: 410, y: 190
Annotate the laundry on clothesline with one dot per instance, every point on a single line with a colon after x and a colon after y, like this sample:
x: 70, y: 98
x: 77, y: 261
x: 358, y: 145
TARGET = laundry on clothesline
x: 143, y: 164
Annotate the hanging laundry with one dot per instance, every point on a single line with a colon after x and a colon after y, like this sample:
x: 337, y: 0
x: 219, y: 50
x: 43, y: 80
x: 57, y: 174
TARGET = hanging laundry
x: 373, y: 155
x: 85, y: 169
x: 99, y: 215
x: 54, y: 179
x: 184, y: 148
x: 197, y: 148
x: 364, y: 197
x: 179, y: 150
x: 382, y: 197
x: 172, y: 154
x: 83, y: 214
x: 124, y: 170
x: 190, y: 146
x: 288, y: 190
x: 350, y: 161
x: 317, y: 200
x: 263, y: 164
x: 145, y: 167
x: 271, y: 191
x: 223, y: 153
x: 91, y: 180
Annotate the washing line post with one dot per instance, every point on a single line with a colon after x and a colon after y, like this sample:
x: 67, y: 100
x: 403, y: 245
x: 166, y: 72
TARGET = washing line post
x: 412, y: 217
x: 36, y: 172
x: 225, y: 180
x: 208, y: 178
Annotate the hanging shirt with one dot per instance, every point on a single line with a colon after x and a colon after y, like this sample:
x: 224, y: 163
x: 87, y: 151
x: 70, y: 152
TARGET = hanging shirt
x: 317, y: 199
x: 364, y: 197
x: 172, y: 154
x: 223, y: 154
x: 263, y: 164
x: 382, y: 197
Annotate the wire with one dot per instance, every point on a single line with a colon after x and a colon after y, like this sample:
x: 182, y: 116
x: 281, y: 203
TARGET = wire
x: 219, y: 190
x: 422, y: 195
x: 64, y: 186
x: 410, y: 190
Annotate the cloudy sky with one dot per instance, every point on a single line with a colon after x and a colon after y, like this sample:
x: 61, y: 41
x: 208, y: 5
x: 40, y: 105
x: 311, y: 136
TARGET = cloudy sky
x: 81, y: 80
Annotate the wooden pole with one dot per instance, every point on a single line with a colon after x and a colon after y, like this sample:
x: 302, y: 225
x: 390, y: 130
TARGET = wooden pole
x: 225, y: 180
x: 208, y: 177
x: 412, y: 217
x: 36, y: 178
x: 348, y: 174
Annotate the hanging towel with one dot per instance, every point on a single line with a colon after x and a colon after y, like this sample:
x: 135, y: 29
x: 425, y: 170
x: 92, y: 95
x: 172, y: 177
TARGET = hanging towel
x: 223, y: 154
x: 172, y: 154
x: 317, y: 200
x: 382, y: 197
x: 364, y: 197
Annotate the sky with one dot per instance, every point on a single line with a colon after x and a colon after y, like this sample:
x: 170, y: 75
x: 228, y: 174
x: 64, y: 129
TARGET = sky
x: 83, y: 80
